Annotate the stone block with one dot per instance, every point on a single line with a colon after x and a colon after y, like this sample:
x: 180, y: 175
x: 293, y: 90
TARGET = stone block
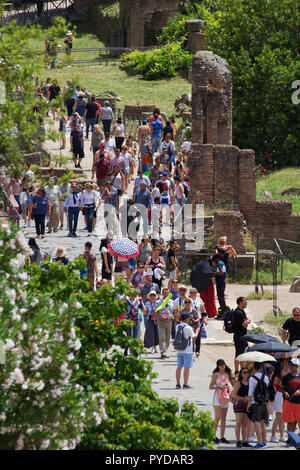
x: 295, y: 286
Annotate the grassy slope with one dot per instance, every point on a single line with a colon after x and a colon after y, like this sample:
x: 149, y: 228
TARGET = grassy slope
x: 279, y: 180
x: 98, y: 79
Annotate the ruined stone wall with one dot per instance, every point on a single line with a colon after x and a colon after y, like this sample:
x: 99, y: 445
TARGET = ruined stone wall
x: 139, y: 15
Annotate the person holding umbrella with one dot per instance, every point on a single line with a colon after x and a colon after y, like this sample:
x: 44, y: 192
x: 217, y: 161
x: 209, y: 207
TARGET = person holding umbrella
x: 201, y: 278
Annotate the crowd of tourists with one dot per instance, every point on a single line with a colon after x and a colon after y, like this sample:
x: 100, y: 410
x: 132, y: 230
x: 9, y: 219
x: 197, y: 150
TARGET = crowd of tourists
x: 151, y: 171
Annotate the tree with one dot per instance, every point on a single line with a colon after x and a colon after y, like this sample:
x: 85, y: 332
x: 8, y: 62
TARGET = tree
x: 137, y: 418
x: 42, y: 404
x: 21, y: 111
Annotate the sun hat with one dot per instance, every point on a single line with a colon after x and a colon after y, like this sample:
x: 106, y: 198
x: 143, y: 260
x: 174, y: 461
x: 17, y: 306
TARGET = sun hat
x: 60, y: 252
x: 152, y: 292
x: 294, y: 361
x: 69, y: 33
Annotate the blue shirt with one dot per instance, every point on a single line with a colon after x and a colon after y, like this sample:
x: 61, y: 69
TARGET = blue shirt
x: 143, y: 197
x: 41, y: 203
x: 157, y: 127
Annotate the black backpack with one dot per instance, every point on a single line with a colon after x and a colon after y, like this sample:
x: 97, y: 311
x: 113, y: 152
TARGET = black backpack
x: 261, y: 392
x: 228, y: 318
x: 180, y: 342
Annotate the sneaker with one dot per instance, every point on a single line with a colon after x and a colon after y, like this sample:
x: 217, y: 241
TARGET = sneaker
x: 283, y: 439
x: 274, y: 439
x: 264, y: 444
x: 239, y: 444
x: 178, y: 386
x: 61, y: 227
x: 246, y: 444
x: 186, y: 386
x: 258, y: 446
x: 224, y: 441
x: 252, y: 439
x: 217, y: 440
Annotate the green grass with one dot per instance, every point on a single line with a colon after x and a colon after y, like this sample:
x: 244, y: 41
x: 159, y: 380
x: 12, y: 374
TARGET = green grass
x: 265, y: 275
x: 267, y: 295
x: 278, y: 181
x: 99, y: 78
x: 277, y: 321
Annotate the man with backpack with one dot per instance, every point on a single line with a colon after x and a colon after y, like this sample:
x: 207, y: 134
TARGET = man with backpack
x: 183, y: 344
x: 258, y: 398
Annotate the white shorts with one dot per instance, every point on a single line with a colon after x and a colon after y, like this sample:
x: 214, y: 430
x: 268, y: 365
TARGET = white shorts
x: 217, y: 403
x: 277, y: 403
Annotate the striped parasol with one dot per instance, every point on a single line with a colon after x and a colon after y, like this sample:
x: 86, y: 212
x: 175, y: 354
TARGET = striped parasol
x: 124, y: 248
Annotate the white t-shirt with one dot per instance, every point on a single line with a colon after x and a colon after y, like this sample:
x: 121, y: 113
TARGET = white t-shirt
x: 253, y: 383
x: 128, y: 159
x: 197, y: 303
x: 188, y: 333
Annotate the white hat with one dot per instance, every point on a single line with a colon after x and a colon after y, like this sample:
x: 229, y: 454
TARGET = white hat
x: 69, y: 33
x: 152, y: 292
x: 295, y: 361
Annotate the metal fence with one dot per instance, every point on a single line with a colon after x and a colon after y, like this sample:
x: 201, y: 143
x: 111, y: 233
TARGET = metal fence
x: 7, y: 210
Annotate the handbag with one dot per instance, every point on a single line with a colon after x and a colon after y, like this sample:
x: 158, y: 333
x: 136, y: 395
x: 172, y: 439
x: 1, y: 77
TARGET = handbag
x: 203, y: 333
x: 223, y: 394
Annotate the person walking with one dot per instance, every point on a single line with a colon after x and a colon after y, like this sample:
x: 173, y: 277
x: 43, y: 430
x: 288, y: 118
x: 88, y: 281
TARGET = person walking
x: 91, y: 271
x: 221, y: 381
x: 36, y: 256
x: 106, y: 117
x: 53, y: 192
x: 40, y: 207
x: 77, y: 145
x: 164, y: 323
x: 291, y: 328
x: 185, y: 358
x: 72, y: 205
x: 151, y: 331
x: 89, y: 203
x: 240, y: 407
x: 90, y: 116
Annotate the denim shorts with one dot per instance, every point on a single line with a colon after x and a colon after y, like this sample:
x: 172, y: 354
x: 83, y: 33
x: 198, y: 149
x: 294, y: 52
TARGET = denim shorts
x: 185, y: 359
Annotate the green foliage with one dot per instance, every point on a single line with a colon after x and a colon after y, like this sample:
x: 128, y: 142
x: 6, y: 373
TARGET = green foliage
x: 22, y: 110
x: 42, y: 405
x: 277, y: 321
x: 137, y: 418
x: 158, y: 63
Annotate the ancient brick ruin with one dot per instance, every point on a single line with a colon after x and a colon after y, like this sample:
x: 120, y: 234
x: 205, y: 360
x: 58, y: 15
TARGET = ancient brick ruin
x: 142, y: 19
x: 222, y: 175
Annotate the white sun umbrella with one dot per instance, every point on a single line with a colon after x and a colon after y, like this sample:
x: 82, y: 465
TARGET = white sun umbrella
x: 255, y: 356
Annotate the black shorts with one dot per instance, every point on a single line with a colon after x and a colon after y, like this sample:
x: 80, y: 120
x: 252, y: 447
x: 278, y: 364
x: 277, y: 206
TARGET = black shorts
x: 258, y: 413
x: 240, y: 345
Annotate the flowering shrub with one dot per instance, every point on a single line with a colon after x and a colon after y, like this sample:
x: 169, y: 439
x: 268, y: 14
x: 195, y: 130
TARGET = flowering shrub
x: 42, y: 404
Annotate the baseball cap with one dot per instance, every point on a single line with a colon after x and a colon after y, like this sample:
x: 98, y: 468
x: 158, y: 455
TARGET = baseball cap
x: 102, y: 144
x: 165, y: 173
x: 144, y: 121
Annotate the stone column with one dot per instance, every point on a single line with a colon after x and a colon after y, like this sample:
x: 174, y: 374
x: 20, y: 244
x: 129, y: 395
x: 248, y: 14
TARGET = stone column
x: 196, y: 37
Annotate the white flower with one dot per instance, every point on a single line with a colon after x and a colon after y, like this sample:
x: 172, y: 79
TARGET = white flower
x: 17, y: 376
x: 24, y: 327
x: 9, y: 344
x: 20, y: 442
x: 2, y: 416
x: 45, y: 444
x: 70, y: 357
x: 77, y: 345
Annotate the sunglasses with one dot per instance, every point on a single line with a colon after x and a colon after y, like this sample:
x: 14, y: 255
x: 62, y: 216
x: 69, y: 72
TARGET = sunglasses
x: 188, y: 302
x: 245, y: 372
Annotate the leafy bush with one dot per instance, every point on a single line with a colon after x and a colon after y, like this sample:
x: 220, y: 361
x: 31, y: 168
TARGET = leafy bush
x: 137, y: 418
x: 158, y: 63
x: 42, y: 405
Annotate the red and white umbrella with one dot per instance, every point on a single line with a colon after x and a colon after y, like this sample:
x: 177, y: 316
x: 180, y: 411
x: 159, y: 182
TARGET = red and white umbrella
x: 124, y: 248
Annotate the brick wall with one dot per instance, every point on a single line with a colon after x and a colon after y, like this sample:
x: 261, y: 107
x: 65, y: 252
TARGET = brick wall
x: 231, y: 225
